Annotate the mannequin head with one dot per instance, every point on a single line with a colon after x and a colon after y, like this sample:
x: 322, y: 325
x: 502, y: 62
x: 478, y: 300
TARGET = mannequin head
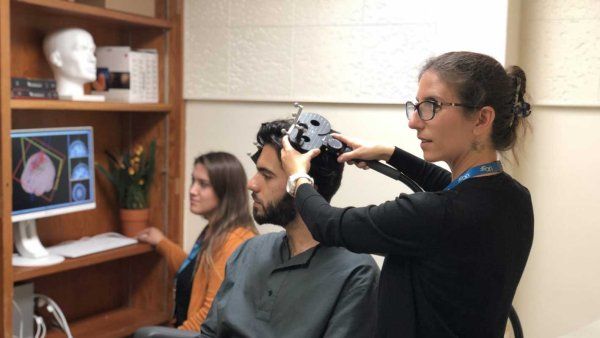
x: 70, y: 53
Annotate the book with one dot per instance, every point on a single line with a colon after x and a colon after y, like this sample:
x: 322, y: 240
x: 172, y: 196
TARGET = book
x: 32, y: 83
x: 44, y: 94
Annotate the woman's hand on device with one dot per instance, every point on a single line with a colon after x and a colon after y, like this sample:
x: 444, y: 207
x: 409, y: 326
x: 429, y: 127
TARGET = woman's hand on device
x: 363, y: 150
x: 293, y: 161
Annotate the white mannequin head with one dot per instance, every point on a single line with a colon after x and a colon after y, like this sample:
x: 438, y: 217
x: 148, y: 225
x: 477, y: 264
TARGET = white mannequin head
x: 70, y: 53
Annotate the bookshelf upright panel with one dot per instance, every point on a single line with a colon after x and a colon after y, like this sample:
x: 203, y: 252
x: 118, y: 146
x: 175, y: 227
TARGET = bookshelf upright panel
x: 110, y: 293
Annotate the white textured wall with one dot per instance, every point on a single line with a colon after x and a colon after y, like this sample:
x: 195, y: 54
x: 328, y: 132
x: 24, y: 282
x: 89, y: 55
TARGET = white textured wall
x: 560, y: 50
x: 237, y: 51
x: 365, y: 51
x: 560, y: 46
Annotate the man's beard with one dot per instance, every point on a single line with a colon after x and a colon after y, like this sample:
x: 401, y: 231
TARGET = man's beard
x: 280, y: 213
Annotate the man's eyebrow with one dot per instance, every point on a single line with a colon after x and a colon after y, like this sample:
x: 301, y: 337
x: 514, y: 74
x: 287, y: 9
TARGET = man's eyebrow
x: 265, y: 170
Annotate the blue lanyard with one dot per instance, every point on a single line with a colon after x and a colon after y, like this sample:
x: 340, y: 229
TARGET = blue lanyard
x: 190, y: 257
x: 487, y: 168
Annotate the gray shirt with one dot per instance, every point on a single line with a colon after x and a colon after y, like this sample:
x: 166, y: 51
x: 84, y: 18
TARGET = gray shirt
x: 322, y: 292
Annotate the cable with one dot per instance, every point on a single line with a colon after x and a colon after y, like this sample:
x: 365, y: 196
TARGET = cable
x: 20, y: 318
x: 40, y: 327
x: 55, y: 310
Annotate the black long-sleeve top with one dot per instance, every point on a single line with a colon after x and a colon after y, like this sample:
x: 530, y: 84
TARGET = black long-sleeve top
x: 453, y: 258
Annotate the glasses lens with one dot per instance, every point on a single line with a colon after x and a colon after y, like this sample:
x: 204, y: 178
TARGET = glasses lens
x: 410, y: 109
x: 426, y: 110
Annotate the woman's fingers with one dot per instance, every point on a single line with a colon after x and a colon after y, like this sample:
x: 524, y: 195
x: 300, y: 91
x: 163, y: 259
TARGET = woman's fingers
x: 362, y: 165
x: 286, y: 143
x: 313, y: 153
x: 347, y: 140
x: 349, y: 156
x: 357, y: 146
x: 293, y: 161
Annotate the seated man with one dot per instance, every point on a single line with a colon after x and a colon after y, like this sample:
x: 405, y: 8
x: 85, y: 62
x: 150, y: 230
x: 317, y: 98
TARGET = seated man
x: 286, y: 284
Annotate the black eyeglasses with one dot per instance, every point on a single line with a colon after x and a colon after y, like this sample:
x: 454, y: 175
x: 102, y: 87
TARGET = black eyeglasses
x: 428, y: 108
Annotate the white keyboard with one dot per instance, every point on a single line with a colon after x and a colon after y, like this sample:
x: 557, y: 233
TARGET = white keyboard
x: 91, y: 245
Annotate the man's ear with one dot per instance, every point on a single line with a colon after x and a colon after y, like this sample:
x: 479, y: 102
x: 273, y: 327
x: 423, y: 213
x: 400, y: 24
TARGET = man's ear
x: 484, y: 120
x: 55, y: 59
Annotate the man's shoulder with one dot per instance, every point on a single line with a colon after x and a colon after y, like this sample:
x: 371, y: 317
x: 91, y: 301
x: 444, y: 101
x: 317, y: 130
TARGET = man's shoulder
x: 262, y: 243
x: 347, y: 258
x: 266, y: 239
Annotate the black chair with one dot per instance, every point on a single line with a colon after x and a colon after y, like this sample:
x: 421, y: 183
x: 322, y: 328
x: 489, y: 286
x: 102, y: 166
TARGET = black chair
x: 515, y: 323
x: 163, y: 332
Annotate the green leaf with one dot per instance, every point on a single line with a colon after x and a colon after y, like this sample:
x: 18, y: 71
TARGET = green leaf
x: 130, y: 194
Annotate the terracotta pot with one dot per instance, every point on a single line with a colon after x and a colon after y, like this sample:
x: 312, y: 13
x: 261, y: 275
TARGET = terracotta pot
x: 133, y: 221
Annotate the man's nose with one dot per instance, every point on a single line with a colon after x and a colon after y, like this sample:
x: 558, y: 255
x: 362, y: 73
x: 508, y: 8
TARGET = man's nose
x: 252, y: 184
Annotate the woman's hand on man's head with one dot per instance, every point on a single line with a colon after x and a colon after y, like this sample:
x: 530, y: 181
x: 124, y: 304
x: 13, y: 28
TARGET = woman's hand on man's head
x: 293, y: 161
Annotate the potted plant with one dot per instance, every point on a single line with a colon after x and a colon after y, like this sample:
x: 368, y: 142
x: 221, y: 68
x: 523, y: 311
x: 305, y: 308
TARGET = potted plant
x: 131, y: 174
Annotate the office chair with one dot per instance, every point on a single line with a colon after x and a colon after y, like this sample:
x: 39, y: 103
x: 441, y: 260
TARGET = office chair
x: 163, y: 332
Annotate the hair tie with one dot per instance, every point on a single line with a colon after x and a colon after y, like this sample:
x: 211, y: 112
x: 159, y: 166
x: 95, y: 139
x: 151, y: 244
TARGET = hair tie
x: 520, y: 107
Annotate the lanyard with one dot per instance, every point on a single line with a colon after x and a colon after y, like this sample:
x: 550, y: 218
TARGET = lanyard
x: 487, y: 168
x: 190, y: 257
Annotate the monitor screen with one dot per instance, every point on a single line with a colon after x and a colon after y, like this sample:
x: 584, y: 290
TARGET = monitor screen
x: 52, y: 172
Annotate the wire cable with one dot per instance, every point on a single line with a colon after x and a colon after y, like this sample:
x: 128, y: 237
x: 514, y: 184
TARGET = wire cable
x: 55, y: 310
x: 40, y: 327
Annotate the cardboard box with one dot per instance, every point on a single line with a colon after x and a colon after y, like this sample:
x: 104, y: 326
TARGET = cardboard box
x: 132, y: 75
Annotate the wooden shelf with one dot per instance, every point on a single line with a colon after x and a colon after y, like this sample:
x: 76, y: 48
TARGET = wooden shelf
x: 86, y: 11
x: 116, y: 323
x: 24, y: 104
x: 128, y: 287
x: 25, y: 273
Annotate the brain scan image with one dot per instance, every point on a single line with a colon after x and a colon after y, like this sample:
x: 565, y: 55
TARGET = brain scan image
x: 79, y: 192
x: 80, y: 172
x: 38, y: 175
x: 77, y: 149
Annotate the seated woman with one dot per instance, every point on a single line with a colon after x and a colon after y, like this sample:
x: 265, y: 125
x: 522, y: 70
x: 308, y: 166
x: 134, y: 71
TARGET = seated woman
x: 218, y: 194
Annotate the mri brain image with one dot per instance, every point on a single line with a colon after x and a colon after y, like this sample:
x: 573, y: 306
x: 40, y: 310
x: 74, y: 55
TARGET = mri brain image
x: 79, y: 192
x: 77, y: 149
x: 80, y: 172
x: 38, y: 175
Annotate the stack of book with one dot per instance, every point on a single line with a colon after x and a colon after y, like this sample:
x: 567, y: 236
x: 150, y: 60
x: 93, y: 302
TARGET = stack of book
x: 29, y: 88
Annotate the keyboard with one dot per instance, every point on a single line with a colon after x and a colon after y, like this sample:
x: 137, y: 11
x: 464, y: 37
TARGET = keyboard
x: 91, y: 245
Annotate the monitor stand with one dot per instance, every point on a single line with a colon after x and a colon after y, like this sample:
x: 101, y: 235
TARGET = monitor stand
x: 31, y: 251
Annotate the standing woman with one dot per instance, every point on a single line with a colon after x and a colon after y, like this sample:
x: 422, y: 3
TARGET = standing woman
x: 218, y: 194
x: 456, y: 252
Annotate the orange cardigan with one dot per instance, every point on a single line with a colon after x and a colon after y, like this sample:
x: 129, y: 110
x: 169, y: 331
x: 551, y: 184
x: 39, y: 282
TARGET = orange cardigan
x: 206, y: 283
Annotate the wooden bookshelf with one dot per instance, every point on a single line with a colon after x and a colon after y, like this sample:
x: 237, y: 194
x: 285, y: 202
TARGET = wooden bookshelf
x: 27, y: 273
x: 89, y: 106
x: 128, y: 287
x: 116, y: 323
x: 94, y: 13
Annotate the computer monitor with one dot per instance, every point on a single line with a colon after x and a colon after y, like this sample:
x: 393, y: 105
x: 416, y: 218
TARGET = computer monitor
x: 52, y: 174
